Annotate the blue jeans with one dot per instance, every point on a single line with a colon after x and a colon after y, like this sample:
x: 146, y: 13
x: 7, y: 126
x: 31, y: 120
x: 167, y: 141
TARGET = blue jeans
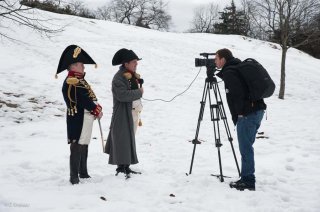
x: 247, y: 127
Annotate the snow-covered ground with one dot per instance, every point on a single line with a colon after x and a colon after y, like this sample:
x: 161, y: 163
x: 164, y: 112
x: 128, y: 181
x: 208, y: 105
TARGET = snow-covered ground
x: 34, y: 154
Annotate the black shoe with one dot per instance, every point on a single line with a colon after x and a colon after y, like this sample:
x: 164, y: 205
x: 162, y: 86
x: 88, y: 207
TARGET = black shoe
x: 242, y: 185
x: 120, y: 168
x: 74, y: 180
x: 84, y: 176
x: 127, y: 170
x: 232, y: 184
x: 130, y: 171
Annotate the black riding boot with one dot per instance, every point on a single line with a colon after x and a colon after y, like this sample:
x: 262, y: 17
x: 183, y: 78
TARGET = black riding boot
x: 130, y: 171
x: 75, y: 155
x: 83, y: 162
x: 127, y: 170
x: 120, y: 168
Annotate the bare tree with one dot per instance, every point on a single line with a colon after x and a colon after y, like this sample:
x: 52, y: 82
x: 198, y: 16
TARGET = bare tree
x: 280, y: 20
x: 104, y: 13
x: 78, y: 8
x: 311, y: 44
x: 152, y: 13
x: 16, y: 13
x: 204, y: 18
x: 122, y: 11
x: 143, y: 13
x: 254, y: 31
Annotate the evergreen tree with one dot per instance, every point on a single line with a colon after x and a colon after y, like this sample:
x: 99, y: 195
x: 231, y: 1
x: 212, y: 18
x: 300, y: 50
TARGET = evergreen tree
x: 233, y: 21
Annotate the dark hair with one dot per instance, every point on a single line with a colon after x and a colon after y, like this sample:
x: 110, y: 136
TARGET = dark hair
x: 225, y: 53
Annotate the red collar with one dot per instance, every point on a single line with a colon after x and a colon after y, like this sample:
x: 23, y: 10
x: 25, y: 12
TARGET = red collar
x: 75, y: 74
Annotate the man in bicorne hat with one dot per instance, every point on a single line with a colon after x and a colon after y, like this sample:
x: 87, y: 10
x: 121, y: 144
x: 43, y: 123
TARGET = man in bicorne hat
x: 82, y: 109
x: 127, y: 92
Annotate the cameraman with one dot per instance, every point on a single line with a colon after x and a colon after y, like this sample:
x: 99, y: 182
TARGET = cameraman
x: 246, y: 115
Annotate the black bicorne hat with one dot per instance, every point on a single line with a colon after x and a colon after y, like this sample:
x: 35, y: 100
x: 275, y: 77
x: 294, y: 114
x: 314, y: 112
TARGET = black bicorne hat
x: 124, y: 56
x: 73, y: 54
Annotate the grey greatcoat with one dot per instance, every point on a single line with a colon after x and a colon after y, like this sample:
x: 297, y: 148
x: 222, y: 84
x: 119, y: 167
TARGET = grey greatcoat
x: 121, y: 144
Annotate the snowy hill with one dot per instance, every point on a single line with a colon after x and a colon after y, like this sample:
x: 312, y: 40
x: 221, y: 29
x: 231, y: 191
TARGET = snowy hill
x: 34, y: 153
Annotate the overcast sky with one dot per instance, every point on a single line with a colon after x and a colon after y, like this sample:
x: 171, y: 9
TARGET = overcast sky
x: 180, y: 10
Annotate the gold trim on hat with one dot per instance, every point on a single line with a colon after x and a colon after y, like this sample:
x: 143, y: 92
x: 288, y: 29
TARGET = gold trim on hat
x: 76, y: 52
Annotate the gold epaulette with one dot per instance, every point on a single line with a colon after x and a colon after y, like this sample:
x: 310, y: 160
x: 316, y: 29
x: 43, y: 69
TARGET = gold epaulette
x: 127, y: 75
x: 72, y: 81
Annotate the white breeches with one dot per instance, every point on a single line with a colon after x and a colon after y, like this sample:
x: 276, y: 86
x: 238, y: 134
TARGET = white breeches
x: 86, y: 131
x: 136, y: 110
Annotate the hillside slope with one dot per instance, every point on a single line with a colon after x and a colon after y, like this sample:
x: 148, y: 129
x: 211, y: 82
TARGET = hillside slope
x: 34, y: 151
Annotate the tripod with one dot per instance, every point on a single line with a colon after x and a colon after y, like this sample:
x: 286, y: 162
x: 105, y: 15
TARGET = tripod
x: 217, y: 112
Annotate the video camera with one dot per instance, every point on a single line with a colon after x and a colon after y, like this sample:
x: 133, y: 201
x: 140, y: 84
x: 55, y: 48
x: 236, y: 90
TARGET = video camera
x: 207, y: 62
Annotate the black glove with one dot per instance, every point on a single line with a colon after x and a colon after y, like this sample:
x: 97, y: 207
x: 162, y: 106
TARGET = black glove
x: 141, y: 81
x: 210, y: 73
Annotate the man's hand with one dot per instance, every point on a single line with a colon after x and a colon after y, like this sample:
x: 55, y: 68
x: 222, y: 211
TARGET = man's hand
x: 100, y: 115
x: 140, y: 81
x: 141, y: 89
x: 97, y: 112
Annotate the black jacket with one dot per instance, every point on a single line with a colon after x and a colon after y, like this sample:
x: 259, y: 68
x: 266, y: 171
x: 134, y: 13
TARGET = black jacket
x: 78, y: 96
x: 237, y: 91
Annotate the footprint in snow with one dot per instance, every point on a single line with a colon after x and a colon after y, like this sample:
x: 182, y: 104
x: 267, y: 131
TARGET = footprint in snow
x: 289, y: 168
x: 290, y: 159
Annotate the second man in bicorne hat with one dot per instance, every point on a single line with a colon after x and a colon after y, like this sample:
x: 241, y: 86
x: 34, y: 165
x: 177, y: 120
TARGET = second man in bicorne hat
x: 127, y: 92
x: 82, y: 109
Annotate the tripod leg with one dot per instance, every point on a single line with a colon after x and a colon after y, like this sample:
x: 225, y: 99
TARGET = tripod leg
x: 215, y: 120
x: 202, y: 106
x: 226, y: 125
x: 224, y: 118
x: 235, y: 158
x: 220, y: 165
x: 191, y: 165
